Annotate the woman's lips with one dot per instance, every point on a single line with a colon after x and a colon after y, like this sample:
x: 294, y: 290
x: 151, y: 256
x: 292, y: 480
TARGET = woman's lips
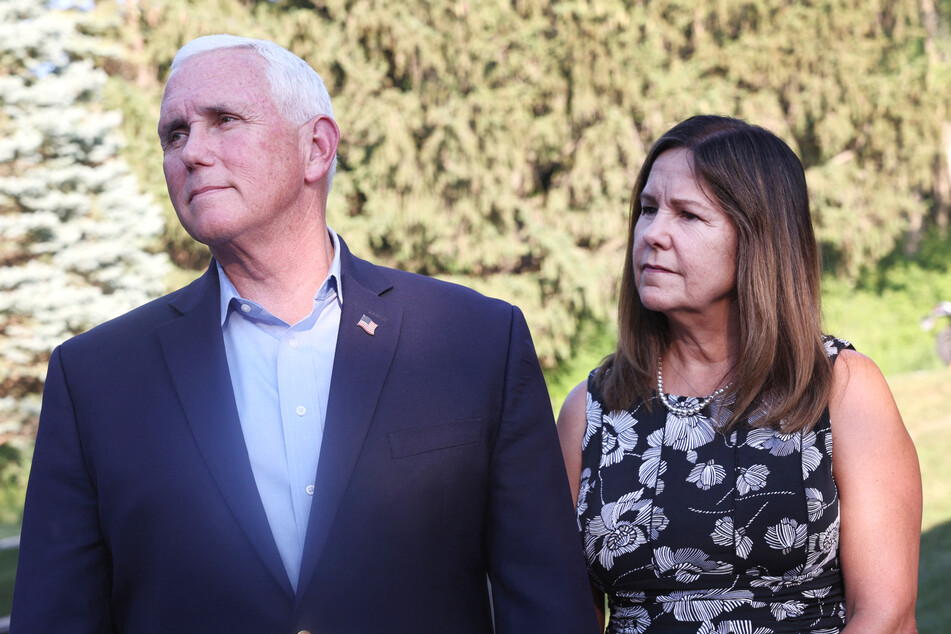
x: 204, y: 190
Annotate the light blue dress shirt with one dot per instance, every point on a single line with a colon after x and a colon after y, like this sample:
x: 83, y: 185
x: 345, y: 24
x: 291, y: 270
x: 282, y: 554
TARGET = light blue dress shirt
x: 280, y: 373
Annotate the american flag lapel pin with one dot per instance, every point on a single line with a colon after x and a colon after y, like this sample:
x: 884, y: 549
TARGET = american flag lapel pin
x: 367, y: 324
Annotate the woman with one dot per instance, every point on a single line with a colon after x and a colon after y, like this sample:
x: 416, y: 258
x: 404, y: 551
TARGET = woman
x: 702, y: 452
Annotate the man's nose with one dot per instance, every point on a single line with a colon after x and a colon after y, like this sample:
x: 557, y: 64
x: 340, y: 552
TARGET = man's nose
x: 198, y: 148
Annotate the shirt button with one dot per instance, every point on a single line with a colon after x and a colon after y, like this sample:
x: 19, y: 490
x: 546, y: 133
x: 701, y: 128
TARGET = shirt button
x: 246, y: 308
x: 301, y: 410
x: 310, y: 489
x: 292, y: 343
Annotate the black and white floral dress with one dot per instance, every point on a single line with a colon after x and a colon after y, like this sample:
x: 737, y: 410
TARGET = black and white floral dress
x: 689, y: 530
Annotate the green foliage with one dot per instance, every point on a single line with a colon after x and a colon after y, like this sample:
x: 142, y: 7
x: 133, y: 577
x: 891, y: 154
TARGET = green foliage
x: 596, y: 341
x: 14, y: 468
x: 931, y: 256
x: 884, y: 325
x: 495, y: 143
x: 882, y: 311
x: 8, y: 565
x: 15, y: 459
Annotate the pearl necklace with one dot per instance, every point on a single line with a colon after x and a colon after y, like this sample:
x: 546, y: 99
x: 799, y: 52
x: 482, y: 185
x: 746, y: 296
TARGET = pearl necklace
x: 683, y: 411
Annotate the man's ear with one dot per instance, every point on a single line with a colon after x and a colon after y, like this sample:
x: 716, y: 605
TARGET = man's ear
x: 321, y: 136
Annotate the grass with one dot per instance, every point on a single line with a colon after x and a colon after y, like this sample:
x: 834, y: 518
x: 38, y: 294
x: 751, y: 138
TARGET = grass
x: 924, y: 399
x: 8, y: 566
x: 596, y: 342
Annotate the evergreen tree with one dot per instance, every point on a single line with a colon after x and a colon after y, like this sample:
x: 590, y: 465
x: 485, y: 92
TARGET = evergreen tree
x: 74, y: 228
x: 495, y: 143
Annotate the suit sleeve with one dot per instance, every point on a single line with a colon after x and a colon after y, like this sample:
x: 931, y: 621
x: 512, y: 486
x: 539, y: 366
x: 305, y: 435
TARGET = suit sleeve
x: 62, y: 581
x: 536, y: 567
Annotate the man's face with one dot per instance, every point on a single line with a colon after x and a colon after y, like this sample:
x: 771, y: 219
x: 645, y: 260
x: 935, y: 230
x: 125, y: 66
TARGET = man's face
x: 233, y: 164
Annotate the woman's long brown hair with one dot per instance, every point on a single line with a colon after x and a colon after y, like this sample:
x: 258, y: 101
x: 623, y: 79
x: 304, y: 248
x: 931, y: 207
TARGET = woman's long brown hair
x: 783, y: 373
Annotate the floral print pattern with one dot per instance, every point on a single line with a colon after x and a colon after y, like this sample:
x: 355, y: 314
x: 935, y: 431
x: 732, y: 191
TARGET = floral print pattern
x: 691, y: 531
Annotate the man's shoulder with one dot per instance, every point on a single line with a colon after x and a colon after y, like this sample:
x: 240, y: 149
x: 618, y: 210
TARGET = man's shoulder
x: 420, y: 291
x: 134, y: 323
x: 404, y: 280
x: 404, y: 287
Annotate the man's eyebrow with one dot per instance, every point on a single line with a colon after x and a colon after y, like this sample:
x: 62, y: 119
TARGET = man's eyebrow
x: 205, y: 111
x: 166, y: 128
x: 215, y: 109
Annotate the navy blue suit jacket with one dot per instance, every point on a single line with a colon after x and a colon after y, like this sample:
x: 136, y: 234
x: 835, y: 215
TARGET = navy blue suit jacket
x: 439, y: 466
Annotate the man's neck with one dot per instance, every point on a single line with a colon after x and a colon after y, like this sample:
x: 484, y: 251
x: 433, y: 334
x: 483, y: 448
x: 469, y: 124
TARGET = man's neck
x: 283, y: 281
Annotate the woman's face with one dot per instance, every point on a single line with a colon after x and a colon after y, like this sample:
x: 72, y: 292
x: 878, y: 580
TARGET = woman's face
x: 684, y: 243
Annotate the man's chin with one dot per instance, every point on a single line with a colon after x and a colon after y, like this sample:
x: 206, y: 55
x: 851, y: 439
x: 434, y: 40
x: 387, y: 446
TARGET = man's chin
x: 211, y: 237
x: 203, y: 227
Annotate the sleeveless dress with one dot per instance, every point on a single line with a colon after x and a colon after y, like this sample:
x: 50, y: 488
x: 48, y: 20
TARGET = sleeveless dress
x: 689, y: 530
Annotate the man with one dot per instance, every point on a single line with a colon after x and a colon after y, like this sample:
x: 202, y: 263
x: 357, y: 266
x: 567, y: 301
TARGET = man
x: 299, y: 440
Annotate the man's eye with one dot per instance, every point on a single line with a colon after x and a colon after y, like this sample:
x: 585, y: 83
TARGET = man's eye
x: 173, y: 139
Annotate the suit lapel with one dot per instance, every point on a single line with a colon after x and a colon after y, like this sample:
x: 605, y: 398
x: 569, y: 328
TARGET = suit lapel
x: 194, y: 352
x: 361, y: 364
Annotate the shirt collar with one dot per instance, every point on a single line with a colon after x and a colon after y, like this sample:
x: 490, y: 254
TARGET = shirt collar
x: 333, y: 281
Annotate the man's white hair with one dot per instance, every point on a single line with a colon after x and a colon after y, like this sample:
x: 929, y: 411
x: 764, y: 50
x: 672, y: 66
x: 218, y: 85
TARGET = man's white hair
x: 297, y: 90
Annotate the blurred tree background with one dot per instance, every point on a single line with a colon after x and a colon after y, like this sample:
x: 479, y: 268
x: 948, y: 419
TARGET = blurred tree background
x: 490, y: 142
x: 494, y: 143
x: 79, y: 241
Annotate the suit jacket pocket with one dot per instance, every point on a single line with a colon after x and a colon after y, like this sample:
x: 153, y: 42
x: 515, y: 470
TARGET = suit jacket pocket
x: 409, y: 442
